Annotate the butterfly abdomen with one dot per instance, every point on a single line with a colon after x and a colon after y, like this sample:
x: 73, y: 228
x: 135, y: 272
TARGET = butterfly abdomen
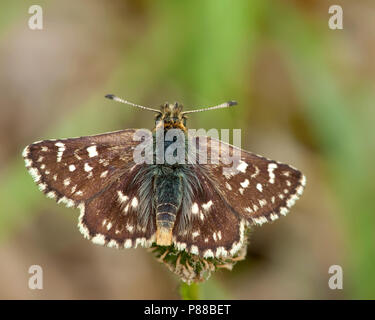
x: 168, y: 197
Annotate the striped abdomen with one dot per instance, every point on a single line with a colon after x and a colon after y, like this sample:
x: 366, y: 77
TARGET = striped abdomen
x: 168, y: 196
x: 165, y: 218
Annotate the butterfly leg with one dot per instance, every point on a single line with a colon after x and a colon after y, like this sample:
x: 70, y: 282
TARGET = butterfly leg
x: 161, y: 258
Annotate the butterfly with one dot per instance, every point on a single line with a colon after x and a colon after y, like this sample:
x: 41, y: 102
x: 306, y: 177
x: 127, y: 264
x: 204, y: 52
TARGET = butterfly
x: 200, y: 208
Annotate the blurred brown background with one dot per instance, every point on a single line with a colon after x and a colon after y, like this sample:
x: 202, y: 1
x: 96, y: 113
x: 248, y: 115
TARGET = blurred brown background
x: 306, y: 97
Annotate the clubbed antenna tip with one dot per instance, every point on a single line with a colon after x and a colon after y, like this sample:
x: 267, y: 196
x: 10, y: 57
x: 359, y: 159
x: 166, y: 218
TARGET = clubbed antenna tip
x: 115, y: 98
x: 109, y: 96
x: 220, y: 106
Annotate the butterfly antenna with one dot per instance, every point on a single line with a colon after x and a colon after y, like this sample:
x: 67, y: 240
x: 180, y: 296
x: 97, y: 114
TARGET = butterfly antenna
x: 219, y: 106
x: 113, y: 97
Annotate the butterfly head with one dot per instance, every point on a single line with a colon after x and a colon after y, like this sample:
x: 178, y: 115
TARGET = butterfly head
x: 171, y: 116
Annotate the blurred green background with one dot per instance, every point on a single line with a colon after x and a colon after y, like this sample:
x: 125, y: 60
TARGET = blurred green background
x: 306, y: 97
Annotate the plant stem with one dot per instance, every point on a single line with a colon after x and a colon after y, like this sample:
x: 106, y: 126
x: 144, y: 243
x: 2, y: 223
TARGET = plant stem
x: 189, y: 292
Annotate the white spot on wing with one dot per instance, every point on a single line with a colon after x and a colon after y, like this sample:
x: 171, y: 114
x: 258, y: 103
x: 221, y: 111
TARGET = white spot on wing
x: 201, y: 215
x: 181, y: 246
x: 134, y: 202
x: 128, y: 243
x: 60, y: 151
x: 122, y: 197
x: 104, y: 162
x: 260, y: 220
x: 194, y: 250
x: 72, y: 167
x: 208, y: 254
x: 35, y: 174
x: 219, y: 235
x: 195, y: 208
x: 259, y: 187
x: 290, y: 202
x: 221, y: 252
x: 112, y: 244
x: 270, y: 169
x: 28, y: 162
x: 98, y: 239
x: 195, y: 234
x: 104, y: 174
x: 242, y: 166
x: 274, y: 216
x: 88, y: 168
x: 68, y: 202
x: 299, y: 190
x: 51, y: 194
x: 140, y: 241
x: 262, y: 202
x: 283, y: 211
x: 25, y: 152
x: 92, y: 151
x: 126, y: 208
x: 42, y: 186
x: 207, y: 206
x: 245, y: 183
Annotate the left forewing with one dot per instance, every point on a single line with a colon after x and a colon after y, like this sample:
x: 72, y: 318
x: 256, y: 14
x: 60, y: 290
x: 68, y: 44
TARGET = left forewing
x: 74, y: 170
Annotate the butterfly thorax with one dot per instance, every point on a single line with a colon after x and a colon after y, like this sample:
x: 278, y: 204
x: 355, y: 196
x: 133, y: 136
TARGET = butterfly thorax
x: 171, y: 117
